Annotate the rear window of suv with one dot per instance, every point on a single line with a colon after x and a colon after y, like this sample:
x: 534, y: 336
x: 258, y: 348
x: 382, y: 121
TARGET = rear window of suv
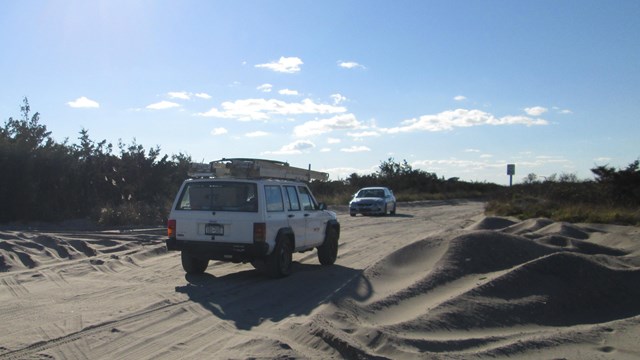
x: 219, y: 196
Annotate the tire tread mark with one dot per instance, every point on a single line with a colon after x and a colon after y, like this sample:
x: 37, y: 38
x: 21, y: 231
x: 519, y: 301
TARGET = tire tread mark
x: 93, y: 329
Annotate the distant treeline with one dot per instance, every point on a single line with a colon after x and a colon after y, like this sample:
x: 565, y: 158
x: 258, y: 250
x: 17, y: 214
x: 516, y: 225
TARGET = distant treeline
x: 612, y: 197
x: 44, y: 180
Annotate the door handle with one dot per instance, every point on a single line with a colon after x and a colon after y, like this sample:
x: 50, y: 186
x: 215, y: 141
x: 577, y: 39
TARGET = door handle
x: 291, y: 215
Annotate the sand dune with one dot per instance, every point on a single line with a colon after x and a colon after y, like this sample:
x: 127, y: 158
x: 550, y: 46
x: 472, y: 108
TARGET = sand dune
x: 438, y: 280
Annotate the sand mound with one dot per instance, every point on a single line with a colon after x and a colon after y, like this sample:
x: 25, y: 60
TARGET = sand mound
x: 486, y: 279
x: 563, y: 229
x: 492, y: 223
x: 527, y: 226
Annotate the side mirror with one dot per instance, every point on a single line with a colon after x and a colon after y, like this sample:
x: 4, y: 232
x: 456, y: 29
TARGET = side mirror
x: 322, y: 206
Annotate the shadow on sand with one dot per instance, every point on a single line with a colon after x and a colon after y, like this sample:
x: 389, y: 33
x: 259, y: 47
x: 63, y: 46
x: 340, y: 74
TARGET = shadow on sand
x: 249, y: 298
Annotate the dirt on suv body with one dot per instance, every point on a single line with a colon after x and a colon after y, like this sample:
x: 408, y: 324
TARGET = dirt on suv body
x: 260, y: 221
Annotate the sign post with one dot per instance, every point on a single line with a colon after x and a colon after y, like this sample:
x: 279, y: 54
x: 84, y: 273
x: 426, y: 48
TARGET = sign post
x: 511, y: 170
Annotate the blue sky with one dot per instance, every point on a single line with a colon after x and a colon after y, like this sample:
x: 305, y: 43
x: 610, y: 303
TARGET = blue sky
x: 459, y: 88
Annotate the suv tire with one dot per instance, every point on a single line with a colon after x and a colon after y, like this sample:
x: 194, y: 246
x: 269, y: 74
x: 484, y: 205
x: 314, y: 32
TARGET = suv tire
x: 328, y: 251
x: 280, y: 260
x: 192, y: 264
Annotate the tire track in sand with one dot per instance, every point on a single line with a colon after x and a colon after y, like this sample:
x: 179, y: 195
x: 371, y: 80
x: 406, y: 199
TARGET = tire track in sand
x: 14, y: 287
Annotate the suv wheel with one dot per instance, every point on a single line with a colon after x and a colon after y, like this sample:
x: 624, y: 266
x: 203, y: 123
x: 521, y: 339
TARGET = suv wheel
x: 279, y: 262
x: 192, y: 264
x: 328, y: 251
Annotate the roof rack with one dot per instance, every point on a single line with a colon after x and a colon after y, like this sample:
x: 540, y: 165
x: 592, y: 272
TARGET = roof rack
x: 254, y: 168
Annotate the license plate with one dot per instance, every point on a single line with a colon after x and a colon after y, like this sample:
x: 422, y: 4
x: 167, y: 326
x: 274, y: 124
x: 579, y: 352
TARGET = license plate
x: 213, y: 229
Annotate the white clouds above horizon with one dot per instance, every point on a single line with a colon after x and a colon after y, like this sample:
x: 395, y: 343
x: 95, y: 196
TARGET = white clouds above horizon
x: 287, y: 65
x: 296, y: 147
x: 263, y: 109
x: 460, y: 98
x: 83, y: 103
x: 317, y: 127
x: 350, y: 65
x: 219, y: 131
x: 162, y: 105
x: 536, y: 110
x: 338, y: 99
x: 184, y: 95
x: 354, y: 149
x: 265, y: 88
x: 448, y: 120
x: 288, y: 92
x: 203, y: 95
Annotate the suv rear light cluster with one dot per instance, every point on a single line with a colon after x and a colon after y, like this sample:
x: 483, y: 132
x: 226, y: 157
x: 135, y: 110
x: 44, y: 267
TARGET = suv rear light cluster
x: 259, y: 232
x: 171, y: 229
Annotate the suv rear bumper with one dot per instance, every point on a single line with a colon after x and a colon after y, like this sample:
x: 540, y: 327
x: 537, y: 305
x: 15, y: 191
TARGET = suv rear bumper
x: 220, y: 251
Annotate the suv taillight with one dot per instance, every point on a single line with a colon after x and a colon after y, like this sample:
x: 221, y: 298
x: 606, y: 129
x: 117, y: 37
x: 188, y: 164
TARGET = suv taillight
x: 259, y: 232
x: 171, y: 229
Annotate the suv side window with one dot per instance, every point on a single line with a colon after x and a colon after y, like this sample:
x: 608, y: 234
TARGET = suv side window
x: 273, y: 194
x: 307, y: 200
x: 294, y: 204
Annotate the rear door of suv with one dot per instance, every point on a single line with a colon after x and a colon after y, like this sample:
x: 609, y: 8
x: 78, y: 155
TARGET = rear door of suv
x: 217, y: 211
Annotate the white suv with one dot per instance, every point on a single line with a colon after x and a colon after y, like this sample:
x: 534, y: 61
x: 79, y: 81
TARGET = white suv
x: 261, y: 221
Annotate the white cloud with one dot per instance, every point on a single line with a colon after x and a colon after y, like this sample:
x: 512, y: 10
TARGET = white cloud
x: 265, y: 88
x: 288, y: 92
x: 333, y: 141
x: 602, y: 159
x: 460, y: 98
x: 325, y: 150
x: 566, y: 111
x: 162, y: 105
x: 83, y: 102
x: 219, y: 131
x: 448, y: 120
x: 316, y: 127
x: 350, y: 65
x: 472, y: 150
x: 536, y: 110
x: 296, y: 147
x: 354, y: 149
x: 182, y: 95
x: 338, y: 99
x: 257, y: 134
x: 364, y: 134
x: 263, y: 109
x: 287, y: 65
x: 203, y: 96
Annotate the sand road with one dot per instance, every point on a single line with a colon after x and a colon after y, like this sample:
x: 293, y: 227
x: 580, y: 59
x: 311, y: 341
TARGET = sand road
x: 437, y: 280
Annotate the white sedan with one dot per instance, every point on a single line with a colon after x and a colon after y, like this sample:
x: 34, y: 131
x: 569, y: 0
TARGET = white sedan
x: 373, y: 201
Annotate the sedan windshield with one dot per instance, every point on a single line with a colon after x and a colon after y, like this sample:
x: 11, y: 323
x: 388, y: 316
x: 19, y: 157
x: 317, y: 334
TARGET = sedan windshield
x: 371, y: 193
